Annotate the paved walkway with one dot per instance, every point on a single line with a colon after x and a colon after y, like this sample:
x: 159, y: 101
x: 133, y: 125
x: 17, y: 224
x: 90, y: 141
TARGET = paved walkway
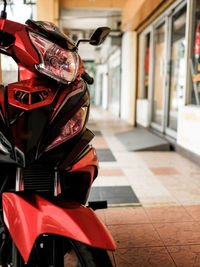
x: 153, y: 199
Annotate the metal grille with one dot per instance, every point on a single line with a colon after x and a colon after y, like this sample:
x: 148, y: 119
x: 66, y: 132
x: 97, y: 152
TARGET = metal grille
x: 38, y: 178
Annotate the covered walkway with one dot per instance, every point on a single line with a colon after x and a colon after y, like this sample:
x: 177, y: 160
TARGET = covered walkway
x: 153, y: 200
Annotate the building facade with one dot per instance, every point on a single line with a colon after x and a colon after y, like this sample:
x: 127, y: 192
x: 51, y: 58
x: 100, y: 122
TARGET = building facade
x: 167, y: 63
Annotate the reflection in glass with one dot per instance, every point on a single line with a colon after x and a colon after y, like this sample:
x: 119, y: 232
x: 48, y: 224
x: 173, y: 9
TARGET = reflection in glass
x: 178, y: 67
x: 146, y: 66
x: 159, y: 55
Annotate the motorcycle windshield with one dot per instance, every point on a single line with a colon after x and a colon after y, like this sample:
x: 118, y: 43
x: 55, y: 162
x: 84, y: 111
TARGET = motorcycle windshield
x: 52, y: 32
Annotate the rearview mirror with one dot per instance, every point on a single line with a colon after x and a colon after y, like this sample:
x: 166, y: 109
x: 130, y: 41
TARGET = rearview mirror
x: 99, y: 36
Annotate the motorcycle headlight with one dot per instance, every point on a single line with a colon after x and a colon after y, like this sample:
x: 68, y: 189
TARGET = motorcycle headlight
x: 55, y: 62
x: 72, y: 128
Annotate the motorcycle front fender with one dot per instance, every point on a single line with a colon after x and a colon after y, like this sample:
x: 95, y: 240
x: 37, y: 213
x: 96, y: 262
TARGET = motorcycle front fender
x: 29, y: 215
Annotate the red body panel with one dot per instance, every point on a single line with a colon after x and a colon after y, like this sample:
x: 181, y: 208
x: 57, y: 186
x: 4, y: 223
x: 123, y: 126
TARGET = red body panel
x: 28, y: 215
x: 31, y: 86
x: 90, y: 159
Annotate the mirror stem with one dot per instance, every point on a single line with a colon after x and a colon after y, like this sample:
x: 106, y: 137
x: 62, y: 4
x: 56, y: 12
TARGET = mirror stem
x: 3, y: 12
x: 85, y: 41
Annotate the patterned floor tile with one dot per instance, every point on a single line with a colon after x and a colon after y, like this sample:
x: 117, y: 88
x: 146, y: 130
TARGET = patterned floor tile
x: 164, y: 171
x: 168, y: 214
x: 111, y: 172
x: 135, y: 235
x: 194, y: 211
x: 114, y: 216
x: 182, y: 233
x: 112, y: 181
x: 185, y: 256
x: 99, y: 143
x: 147, y: 187
x: 143, y: 257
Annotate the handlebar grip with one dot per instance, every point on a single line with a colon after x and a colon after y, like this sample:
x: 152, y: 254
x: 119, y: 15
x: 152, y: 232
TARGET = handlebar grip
x: 87, y: 78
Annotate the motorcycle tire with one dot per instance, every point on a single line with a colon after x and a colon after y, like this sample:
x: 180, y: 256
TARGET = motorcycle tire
x: 75, y: 254
x: 89, y: 256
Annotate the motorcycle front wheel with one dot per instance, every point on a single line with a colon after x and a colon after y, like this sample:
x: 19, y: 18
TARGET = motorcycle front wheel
x: 62, y: 252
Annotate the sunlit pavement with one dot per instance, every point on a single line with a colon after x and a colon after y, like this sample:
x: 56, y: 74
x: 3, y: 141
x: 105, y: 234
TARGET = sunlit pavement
x: 153, y: 200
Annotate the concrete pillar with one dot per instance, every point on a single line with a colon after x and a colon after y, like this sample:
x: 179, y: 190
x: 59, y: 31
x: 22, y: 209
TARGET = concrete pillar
x: 129, y: 77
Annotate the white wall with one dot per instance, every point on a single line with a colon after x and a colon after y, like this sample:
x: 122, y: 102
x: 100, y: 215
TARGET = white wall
x: 102, y: 69
x: 142, y: 112
x: 188, y: 134
x: 114, y: 61
x: 86, y: 51
x: 105, y: 90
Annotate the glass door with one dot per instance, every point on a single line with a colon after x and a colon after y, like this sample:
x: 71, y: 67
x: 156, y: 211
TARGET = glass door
x: 169, y: 70
x: 158, y: 88
x: 177, y: 68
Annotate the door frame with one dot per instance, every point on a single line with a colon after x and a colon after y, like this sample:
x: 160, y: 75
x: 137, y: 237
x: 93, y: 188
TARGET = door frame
x: 167, y: 20
x: 162, y: 21
x: 168, y: 130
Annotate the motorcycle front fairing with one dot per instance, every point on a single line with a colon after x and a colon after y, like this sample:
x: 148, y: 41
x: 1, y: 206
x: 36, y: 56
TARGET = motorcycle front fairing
x: 32, y: 114
x: 29, y: 215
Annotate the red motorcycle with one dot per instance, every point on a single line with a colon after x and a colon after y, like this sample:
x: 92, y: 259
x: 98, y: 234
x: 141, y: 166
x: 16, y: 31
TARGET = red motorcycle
x: 47, y: 164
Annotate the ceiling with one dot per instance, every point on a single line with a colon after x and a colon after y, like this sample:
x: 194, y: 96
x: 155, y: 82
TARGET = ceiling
x: 87, y: 19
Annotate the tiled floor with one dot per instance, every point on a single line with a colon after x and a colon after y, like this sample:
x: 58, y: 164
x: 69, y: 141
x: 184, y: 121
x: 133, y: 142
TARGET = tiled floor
x: 153, y: 200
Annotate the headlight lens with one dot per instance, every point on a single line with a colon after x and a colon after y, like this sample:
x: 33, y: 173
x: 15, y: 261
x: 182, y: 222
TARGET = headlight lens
x: 72, y: 127
x: 56, y: 62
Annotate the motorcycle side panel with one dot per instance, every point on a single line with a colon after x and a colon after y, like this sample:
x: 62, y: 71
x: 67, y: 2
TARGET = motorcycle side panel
x: 29, y: 215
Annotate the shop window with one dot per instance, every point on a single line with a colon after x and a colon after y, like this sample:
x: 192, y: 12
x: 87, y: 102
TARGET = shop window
x: 195, y: 58
x: 177, y: 67
x: 159, y: 74
x: 146, y: 66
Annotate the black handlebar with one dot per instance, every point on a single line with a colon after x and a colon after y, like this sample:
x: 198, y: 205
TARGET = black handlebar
x: 85, y: 76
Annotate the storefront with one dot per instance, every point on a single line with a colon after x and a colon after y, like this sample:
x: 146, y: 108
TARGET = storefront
x: 168, y: 87
x: 162, y: 64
